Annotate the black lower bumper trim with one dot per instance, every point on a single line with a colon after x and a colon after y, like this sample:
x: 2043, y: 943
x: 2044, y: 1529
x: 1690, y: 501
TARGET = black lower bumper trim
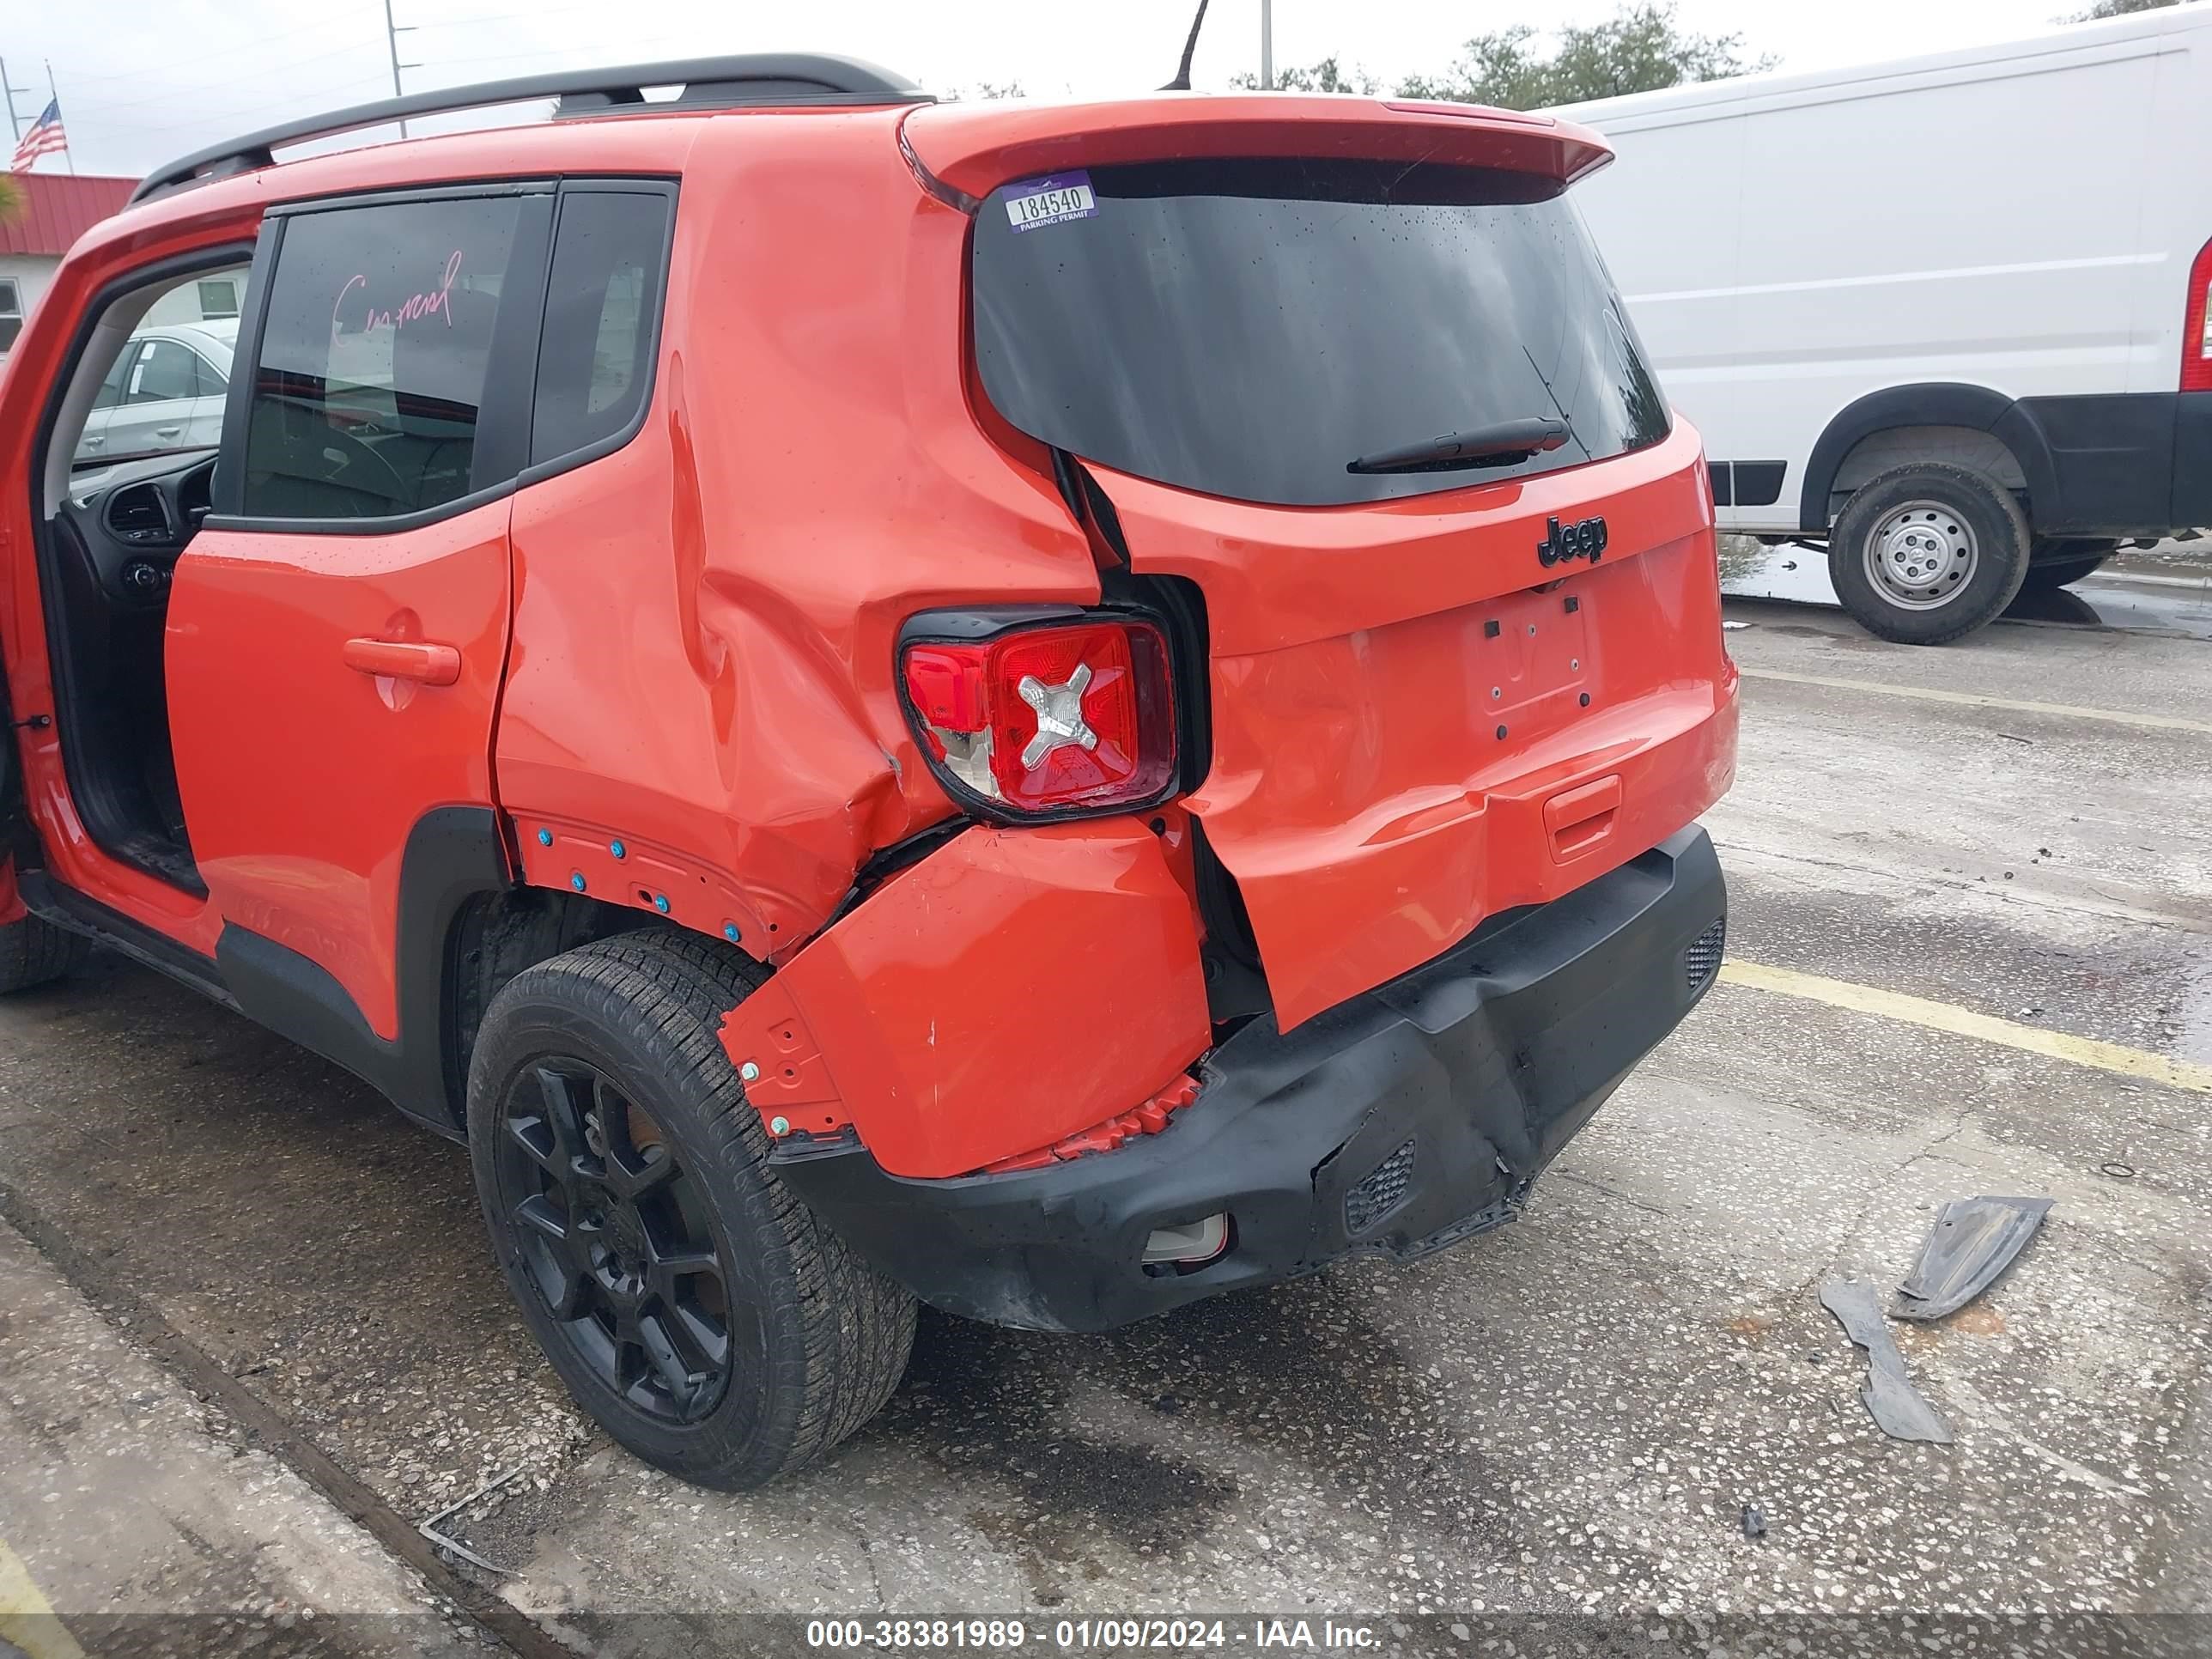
x: 1403, y: 1120
x: 2126, y: 463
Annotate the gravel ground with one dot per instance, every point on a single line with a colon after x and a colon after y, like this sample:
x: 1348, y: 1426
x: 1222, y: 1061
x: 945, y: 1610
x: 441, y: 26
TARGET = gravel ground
x: 1546, y: 1438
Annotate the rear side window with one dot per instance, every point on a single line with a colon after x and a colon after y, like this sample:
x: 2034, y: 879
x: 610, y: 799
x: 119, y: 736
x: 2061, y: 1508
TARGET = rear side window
x: 1249, y: 328
x: 594, y: 356
x: 373, y: 358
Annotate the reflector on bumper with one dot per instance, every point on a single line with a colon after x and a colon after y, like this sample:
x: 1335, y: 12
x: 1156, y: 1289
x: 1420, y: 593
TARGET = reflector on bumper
x: 1195, y: 1240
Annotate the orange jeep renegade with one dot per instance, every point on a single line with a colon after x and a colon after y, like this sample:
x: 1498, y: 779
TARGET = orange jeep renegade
x: 1052, y: 710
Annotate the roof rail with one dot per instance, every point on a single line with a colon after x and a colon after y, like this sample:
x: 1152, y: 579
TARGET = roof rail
x: 784, y: 78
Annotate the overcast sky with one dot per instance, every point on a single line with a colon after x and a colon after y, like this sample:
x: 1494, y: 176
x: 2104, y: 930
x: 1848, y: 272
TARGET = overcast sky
x: 144, y: 80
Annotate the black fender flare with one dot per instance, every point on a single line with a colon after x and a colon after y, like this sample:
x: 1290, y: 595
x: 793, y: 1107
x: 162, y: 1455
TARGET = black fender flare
x: 1925, y: 404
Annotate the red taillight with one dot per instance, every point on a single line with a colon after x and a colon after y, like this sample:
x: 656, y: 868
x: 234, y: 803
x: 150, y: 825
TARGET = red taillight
x: 2196, y: 326
x: 1049, y: 719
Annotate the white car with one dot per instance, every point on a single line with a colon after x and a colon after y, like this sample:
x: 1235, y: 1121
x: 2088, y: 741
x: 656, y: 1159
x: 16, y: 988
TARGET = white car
x: 166, y: 392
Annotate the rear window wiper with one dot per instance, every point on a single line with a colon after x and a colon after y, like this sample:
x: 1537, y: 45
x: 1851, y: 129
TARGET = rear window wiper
x: 1502, y: 444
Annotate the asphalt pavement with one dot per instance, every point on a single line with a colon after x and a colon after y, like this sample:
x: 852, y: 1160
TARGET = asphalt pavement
x: 1971, y: 948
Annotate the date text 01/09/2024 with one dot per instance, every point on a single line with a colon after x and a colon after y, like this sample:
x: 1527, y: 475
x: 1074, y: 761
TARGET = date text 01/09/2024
x: 1079, y: 1635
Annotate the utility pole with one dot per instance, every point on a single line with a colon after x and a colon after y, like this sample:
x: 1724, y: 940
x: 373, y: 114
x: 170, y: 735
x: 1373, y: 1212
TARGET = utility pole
x: 14, y: 121
x: 68, y: 154
x: 1268, y: 44
x: 391, y: 33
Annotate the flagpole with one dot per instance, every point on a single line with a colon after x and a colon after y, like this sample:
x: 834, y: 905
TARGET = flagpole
x: 68, y: 154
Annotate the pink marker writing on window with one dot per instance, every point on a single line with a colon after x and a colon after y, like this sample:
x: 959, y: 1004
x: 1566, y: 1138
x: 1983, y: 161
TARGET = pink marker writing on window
x: 438, y: 302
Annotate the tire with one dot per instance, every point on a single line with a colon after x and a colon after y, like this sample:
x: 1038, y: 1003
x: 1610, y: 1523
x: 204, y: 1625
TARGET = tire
x: 612, y: 1142
x: 1965, y: 525
x: 34, y: 952
x: 2054, y: 562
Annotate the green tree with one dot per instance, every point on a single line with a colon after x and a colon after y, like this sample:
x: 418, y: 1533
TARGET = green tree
x: 1326, y: 75
x: 1640, y: 47
x: 11, y: 199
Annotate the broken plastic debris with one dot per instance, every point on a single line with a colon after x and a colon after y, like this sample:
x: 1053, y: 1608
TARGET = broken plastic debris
x: 429, y: 1529
x: 1973, y: 1241
x: 1891, y: 1399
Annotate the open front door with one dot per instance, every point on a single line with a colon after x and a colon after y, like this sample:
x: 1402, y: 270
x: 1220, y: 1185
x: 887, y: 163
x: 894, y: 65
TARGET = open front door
x: 12, y: 826
x: 337, y: 630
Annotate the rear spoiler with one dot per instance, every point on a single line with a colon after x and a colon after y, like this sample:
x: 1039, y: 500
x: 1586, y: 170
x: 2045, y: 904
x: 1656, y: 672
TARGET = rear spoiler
x: 964, y: 151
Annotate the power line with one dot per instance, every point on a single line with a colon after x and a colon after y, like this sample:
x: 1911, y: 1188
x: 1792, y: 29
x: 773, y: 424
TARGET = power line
x: 448, y: 70
x: 666, y: 37
x: 169, y: 99
x: 169, y: 71
x: 233, y: 119
x: 471, y: 20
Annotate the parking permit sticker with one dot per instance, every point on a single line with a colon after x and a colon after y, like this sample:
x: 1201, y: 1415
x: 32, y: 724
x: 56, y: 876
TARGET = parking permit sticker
x: 1051, y: 201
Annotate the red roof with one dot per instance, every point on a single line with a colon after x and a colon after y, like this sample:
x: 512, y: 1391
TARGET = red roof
x: 57, y: 208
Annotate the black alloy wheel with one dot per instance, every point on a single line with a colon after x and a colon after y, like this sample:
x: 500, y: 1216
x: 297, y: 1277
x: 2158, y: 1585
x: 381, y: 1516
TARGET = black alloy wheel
x: 616, y: 1239
x: 691, y: 1304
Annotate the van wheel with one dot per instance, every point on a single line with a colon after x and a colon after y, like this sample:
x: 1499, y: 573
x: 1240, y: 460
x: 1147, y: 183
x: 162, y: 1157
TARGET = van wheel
x: 2055, y: 563
x: 692, y: 1305
x: 1922, y: 555
x: 35, y: 952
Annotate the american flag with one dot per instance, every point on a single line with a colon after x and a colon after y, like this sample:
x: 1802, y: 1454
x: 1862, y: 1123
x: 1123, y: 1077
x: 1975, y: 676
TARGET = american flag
x: 44, y: 137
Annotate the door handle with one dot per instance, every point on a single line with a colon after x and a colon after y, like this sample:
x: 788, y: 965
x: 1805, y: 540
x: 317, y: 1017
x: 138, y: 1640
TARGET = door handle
x: 404, y: 659
x: 94, y: 442
x: 167, y: 431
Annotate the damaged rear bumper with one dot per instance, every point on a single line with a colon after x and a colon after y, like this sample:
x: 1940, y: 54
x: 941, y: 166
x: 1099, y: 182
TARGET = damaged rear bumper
x: 1401, y: 1120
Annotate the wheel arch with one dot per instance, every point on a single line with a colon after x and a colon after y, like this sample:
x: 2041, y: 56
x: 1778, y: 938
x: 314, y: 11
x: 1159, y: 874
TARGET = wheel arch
x: 1953, y: 406
x: 497, y: 934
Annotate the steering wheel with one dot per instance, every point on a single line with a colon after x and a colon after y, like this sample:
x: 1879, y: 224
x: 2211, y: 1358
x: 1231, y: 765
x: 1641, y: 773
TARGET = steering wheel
x: 375, y: 476
x: 299, y: 465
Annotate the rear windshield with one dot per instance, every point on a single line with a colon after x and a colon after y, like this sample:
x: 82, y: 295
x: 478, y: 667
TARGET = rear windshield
x: 1249, y: 328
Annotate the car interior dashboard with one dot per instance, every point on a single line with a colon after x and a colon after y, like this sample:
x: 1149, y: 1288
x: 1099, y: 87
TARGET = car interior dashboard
x: 131, y: 519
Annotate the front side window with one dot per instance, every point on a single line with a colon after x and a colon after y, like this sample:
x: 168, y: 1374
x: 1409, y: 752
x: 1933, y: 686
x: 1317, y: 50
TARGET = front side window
x: 1252, y: 328
x: 373, y: 358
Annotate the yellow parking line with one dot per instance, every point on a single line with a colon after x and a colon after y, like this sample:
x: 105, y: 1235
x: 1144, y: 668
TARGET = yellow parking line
x: 27, y: 1619
x: 1929, y: 694
x: 1964, y: 1022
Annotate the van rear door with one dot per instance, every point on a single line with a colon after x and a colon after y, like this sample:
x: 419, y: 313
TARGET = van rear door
x: 1458, y: 563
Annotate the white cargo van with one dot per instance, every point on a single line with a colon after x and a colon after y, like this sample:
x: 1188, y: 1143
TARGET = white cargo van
x: 1946, y: 313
